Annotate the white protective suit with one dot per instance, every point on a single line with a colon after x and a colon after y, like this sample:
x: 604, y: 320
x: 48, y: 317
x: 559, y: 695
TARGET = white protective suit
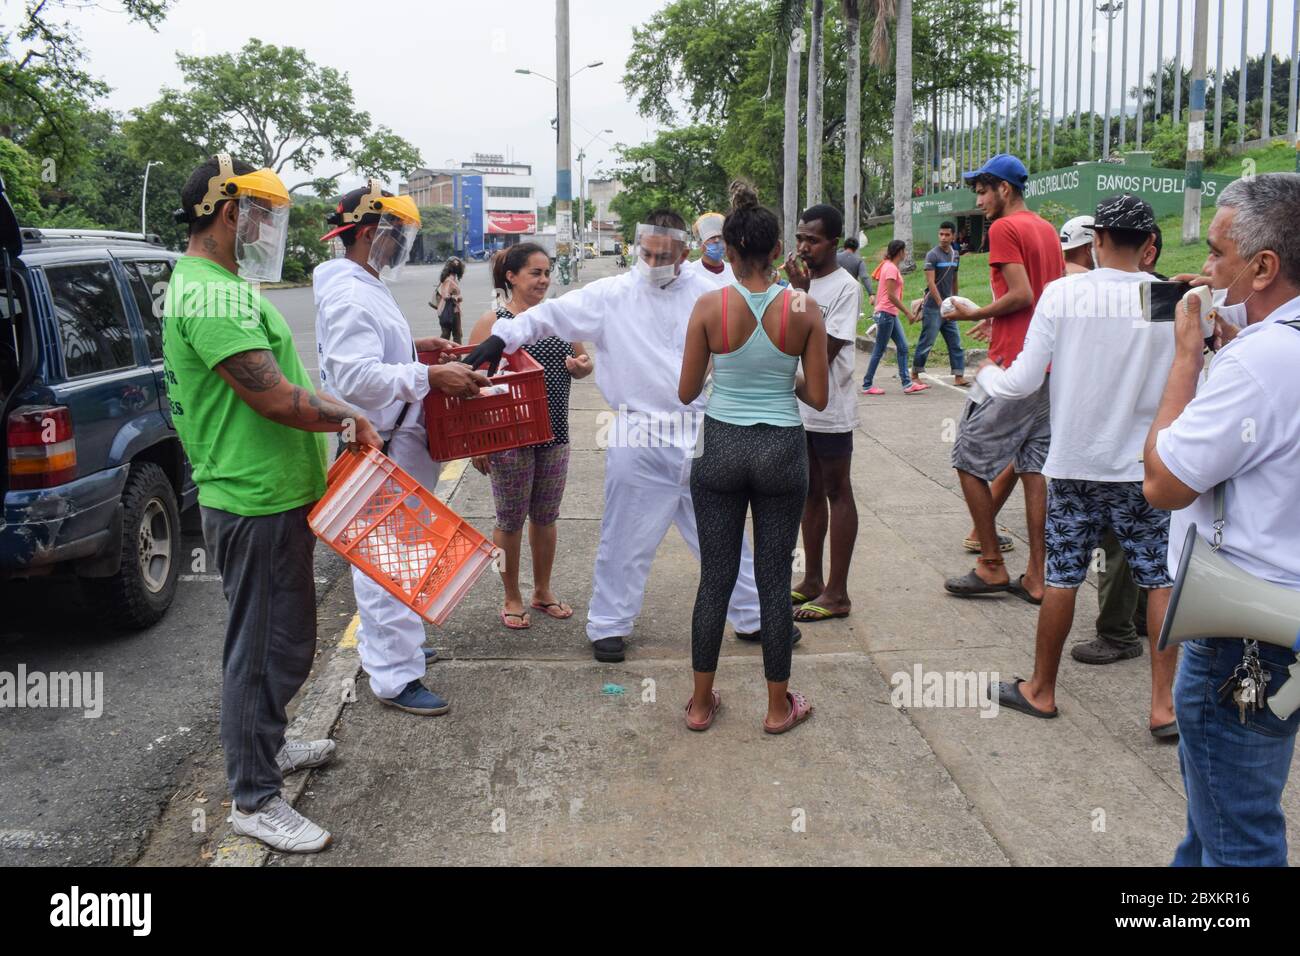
x: 367, y: 359
x: 719, y: 279
x: 639, y: 331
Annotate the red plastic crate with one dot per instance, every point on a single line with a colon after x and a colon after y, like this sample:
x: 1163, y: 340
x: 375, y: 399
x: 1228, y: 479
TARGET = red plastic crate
x: 391, y: 527
x: 464, y: 427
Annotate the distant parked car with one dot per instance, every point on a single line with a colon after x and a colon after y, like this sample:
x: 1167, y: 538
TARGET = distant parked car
x: 96, y: 477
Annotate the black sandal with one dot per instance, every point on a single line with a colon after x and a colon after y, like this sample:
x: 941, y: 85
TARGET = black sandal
x: 971, y: 584
x: 1020, y: 591
x: 1010, y: 695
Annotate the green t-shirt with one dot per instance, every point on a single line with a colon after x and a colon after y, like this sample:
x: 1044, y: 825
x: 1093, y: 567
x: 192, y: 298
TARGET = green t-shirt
x: 243, y: 463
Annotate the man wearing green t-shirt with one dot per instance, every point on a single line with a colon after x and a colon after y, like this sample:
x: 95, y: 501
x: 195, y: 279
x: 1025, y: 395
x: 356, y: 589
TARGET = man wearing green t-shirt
x: 253, y: 429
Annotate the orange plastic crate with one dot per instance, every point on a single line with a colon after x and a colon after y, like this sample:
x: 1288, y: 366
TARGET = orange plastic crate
x: 464, y: 427
x: 391, y: 527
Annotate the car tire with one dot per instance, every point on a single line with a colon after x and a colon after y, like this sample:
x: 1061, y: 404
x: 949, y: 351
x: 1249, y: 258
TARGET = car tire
x: 142, y: 590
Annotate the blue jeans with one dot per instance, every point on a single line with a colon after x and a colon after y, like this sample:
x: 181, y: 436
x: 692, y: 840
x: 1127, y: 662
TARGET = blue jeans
x: 1233, y: 773
x: 887, y: 327
x: 932, y: 324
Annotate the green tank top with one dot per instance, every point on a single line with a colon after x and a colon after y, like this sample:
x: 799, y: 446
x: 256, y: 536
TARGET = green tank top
x: 754, y: 385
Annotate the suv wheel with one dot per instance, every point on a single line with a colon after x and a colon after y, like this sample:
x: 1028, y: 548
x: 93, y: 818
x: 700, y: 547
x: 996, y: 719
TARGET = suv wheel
x: 143, y: 588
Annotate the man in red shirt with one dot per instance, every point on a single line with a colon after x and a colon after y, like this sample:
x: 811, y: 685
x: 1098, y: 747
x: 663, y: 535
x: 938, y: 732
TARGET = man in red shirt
x: 1001, y: 440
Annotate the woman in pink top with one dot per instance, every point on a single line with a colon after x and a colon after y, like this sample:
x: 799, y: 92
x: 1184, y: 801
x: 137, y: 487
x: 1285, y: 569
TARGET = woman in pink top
x: 889, y: 303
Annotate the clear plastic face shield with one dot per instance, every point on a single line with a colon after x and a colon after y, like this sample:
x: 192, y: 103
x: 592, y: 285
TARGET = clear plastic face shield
x: 659, y: 253
x: 260, y: 237
x: 394, y: 237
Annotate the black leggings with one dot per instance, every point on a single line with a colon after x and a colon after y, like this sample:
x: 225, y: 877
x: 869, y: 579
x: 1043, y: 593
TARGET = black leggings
x: 763, y: 467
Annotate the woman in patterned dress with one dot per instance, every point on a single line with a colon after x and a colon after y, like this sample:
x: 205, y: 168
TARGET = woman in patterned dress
x: 529, y: 482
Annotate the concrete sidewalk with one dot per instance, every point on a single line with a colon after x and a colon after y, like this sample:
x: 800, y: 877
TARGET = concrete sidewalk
x: 549, y: 757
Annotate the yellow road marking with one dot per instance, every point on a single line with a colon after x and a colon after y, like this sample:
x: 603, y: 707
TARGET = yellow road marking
x: 453, y: 469
x: 349, y: 638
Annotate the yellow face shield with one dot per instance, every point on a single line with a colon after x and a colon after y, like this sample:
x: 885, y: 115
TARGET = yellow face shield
x: 261, y: 183
x: 399, y: 224
x: 375, y: 202
x: 262, y: 229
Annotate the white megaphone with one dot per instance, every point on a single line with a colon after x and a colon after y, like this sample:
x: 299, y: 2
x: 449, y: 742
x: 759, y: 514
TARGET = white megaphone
x: 1212, y: 597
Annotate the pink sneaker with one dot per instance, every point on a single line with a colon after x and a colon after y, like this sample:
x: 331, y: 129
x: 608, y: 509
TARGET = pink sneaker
x: 873, y: 390
x: 914, y: 388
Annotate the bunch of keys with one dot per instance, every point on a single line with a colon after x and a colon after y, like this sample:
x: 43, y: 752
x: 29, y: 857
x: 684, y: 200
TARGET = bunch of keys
x: 1247, y: 685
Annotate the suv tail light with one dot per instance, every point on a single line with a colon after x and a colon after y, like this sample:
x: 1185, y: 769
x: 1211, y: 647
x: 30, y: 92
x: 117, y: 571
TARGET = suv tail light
x: 42, y: 451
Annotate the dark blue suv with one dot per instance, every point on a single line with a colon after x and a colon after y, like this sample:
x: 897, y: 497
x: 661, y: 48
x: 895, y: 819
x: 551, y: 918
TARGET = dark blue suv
x: 95, y: 478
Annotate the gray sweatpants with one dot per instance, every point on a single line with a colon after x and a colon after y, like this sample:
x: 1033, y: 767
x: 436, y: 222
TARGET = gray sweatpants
x: 267, y: 576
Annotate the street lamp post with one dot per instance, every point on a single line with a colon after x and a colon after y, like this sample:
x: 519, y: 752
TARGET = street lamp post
x: 144, y: 194
x: 563, y: 119
x: 582, y: 193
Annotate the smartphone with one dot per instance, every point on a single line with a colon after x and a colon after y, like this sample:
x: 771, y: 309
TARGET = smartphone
x: 1160, y: 299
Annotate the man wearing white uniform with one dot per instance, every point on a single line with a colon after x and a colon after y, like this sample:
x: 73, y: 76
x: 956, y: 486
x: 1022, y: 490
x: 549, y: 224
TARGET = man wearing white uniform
x: 1236, y: 429
x: 712, y: 263
x: 638, y: 322
x: 368, y: 354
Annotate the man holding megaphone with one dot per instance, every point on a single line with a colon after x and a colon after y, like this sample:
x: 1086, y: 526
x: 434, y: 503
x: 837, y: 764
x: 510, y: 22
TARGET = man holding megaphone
x: 1224, y: 454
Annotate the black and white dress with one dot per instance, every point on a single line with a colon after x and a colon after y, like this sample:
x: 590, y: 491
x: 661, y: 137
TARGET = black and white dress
x: 550, y: 353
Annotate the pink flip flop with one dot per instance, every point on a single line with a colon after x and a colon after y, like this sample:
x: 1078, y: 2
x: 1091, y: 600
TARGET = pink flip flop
x: 506, y: 615
x: 707, y: 722
x: 560, y: 615
x: 800, y: 710
x: 873, y: 390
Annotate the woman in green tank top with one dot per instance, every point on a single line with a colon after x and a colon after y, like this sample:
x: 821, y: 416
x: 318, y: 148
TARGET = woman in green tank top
x: 753, y: 456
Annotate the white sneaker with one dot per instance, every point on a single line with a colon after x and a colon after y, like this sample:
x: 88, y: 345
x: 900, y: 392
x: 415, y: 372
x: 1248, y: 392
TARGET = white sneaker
x: 280, y: 827
x: 301, y: 754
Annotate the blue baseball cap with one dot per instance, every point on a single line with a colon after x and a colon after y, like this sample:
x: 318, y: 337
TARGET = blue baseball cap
x: 1003, y: 166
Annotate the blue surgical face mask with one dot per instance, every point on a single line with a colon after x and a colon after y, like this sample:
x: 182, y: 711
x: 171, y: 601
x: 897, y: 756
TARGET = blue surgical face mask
x: 714, y: 250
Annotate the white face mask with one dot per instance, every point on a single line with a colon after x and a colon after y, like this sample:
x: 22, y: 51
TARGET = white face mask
x: 656, y: 275
x: 1234, y: 314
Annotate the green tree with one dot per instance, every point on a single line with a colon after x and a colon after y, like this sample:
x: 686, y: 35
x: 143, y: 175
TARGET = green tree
x: 44, y: 86
x: 22, y: 176
x: 272, y: 106
x: 438, y: 226
x: 697, y: 61
x: 677, y: 169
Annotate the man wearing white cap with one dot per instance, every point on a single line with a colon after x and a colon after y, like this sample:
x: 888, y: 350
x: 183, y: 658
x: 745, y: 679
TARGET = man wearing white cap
x: 712, y: 263
x: 1076, y: 245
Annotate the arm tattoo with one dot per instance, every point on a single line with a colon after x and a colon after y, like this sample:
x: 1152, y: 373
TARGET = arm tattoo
x: 254, y: 370
x: 327, y: 410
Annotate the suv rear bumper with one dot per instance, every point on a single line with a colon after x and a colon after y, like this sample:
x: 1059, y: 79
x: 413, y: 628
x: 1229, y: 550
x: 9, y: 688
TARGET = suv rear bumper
x: 47, y: 526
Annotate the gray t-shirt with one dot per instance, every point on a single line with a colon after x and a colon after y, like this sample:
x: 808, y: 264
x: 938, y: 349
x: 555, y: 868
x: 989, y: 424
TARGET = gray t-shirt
x: 852, y: 263
x: 945, y: 271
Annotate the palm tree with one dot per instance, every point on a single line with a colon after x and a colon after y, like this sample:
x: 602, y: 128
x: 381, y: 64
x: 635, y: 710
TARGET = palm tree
x: 815, y: 83
x: 852, y: 118
x: 901, y: 12
x: 790, y: 28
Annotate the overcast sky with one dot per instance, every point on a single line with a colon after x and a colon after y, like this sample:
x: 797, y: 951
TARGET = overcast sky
x: 458, y: 92
x: 442, y: 74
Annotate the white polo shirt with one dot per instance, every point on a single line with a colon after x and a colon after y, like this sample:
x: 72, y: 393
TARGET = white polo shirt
x: 1243, y: 427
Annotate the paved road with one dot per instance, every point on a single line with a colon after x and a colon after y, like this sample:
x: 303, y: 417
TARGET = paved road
x: 78, y: 790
